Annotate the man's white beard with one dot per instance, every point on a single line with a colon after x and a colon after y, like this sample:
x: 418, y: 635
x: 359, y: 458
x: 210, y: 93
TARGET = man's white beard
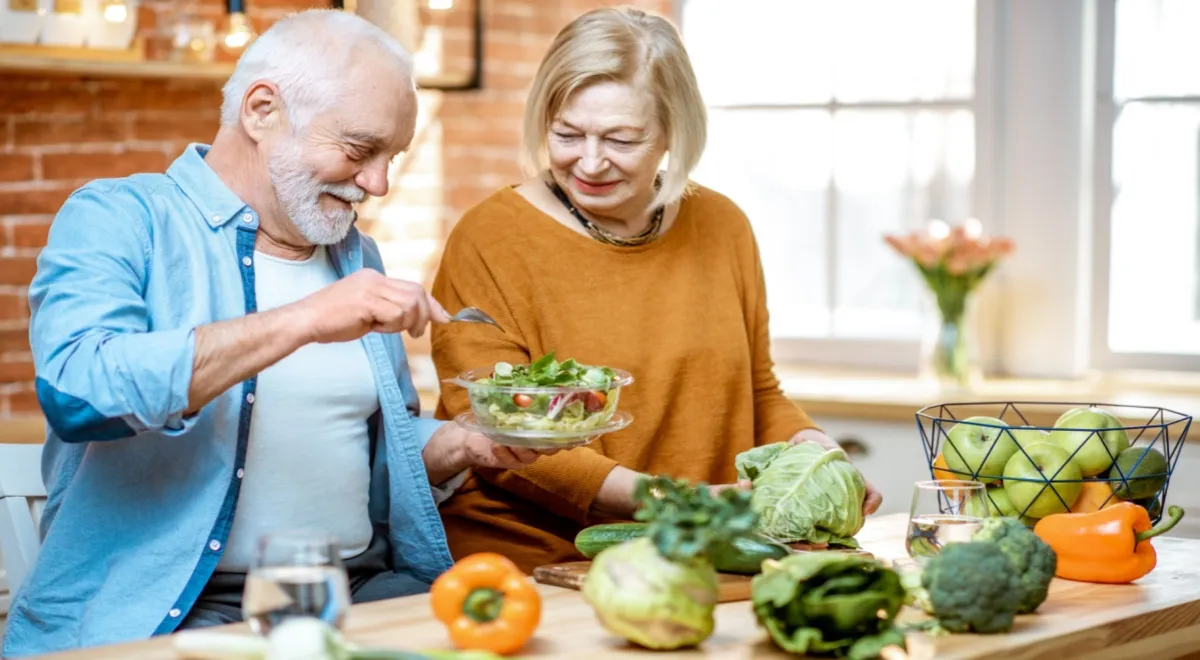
x: 299, y: 192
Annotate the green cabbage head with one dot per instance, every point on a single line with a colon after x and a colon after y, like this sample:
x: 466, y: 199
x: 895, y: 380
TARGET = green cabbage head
x: 804, y: 493
x: 660, y: 604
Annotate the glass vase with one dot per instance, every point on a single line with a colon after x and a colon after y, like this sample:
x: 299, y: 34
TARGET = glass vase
x: 950, y: 354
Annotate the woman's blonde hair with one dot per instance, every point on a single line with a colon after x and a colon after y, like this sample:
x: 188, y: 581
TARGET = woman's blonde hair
x: 628, y: 46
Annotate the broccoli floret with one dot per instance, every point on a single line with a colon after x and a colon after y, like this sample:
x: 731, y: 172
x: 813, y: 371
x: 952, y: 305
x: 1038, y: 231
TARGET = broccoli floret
x: 1032, y: 558
x: 972, y: 588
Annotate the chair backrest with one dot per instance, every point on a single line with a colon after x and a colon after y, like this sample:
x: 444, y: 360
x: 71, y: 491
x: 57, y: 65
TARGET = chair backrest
x: 22, y: 499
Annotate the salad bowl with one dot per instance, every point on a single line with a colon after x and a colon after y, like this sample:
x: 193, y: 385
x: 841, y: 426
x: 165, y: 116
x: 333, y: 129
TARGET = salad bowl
x: 546, y: 404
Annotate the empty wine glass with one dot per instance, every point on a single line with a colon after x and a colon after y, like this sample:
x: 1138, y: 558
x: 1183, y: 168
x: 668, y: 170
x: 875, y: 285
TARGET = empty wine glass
x: 943, y: 511
x: 295, y: 574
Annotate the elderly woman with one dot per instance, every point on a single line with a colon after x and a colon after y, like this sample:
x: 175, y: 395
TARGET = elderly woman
x: 602, y: 258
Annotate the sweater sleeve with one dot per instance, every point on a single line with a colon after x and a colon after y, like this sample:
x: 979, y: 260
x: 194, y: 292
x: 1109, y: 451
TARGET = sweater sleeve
x: 565, y: 483
x: 776, y: 418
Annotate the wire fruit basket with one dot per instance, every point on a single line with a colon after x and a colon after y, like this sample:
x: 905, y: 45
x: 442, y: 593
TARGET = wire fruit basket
x: 1041, y: 458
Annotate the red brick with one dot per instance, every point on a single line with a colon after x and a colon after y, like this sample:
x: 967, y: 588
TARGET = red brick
x: 23, y: 402
x: 204, y: 96
x: 31, y: 234
x: 16, y: 167
x: 16, y: 340
x: 33, y: 202
x: 64, y: 97
x: 13, y: 307
x: 17, y: 271
x: 37, y: 132
x: 522, y: 52
x: 188, y: 129
x: 101, y: 165
x: 16, y: 372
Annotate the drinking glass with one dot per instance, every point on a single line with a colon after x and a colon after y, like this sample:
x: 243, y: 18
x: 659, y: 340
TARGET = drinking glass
x: 943, y: 511
x: 295, y: 574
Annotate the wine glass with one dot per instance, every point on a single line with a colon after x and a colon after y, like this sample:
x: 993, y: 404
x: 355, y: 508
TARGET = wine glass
x: 943, y: 511
x: 295, y: 574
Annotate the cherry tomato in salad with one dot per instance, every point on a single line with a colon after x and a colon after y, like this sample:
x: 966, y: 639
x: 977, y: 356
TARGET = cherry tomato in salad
x: 595, y: 401
x: 522, y: 400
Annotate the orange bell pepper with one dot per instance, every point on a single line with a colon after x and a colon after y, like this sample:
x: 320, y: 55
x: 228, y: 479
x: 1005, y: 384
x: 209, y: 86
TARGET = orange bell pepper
x: 486, y: 604
x: 1110, y: 546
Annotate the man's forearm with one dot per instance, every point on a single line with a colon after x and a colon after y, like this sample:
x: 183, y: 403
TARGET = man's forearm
x: 615, y: 497
x: 229, y: 352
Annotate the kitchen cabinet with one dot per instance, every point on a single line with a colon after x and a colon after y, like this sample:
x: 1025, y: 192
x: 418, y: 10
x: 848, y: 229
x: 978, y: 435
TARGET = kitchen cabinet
x: 890, y: 454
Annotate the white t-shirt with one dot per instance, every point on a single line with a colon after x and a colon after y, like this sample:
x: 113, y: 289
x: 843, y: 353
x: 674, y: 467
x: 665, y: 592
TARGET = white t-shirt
x: 308, y: 455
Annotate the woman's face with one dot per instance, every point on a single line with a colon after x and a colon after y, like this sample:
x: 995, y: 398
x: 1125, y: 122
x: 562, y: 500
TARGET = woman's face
x: 605, y: 147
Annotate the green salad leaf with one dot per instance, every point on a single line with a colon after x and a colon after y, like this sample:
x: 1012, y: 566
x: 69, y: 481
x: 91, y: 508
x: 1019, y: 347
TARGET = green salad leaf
x: 546, y: 371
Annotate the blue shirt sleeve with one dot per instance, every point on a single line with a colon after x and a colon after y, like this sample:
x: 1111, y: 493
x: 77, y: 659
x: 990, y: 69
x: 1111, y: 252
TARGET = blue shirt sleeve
x: 102, y: 373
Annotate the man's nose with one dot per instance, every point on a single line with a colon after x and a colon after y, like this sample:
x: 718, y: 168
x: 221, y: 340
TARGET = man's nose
x: 374, y: 178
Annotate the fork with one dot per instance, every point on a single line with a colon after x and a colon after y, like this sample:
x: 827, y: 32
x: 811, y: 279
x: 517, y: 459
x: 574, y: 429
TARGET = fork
x: 474, y: 315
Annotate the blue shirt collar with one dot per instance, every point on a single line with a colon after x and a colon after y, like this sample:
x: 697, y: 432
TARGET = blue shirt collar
x: 203, y: 187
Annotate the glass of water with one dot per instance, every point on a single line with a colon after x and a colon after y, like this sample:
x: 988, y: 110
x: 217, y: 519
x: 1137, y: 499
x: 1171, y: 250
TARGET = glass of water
x: 943, y: 511
x: 295, y: 574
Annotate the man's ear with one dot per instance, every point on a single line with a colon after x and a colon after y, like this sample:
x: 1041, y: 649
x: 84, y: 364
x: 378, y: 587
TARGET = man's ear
x: 262, y: 109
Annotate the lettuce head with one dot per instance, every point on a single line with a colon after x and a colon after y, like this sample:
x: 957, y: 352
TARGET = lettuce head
x: 805, y: 493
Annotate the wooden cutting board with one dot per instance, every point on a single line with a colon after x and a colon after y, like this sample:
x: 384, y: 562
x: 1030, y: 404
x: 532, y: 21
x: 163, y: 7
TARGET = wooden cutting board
x: 732, y: 587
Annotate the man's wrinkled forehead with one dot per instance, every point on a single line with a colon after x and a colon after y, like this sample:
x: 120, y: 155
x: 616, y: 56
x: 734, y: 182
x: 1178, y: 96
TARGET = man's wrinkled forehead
x: 379, y: 112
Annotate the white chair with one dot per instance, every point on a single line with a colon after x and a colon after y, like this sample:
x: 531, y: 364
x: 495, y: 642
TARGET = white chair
x: 22, y: 500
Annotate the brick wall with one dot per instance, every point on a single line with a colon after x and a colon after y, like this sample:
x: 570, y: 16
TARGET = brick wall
x: 57, y: 133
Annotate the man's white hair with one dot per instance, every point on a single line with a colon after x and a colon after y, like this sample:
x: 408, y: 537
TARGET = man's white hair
x: 308, y: 55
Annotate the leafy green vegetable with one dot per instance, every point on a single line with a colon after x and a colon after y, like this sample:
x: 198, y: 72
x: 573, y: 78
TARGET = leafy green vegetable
x: 686, y: 522
x: 515, y: 397
x: 660, y: 590
x: 829, y: 603
x: 805, y: 493
x: 546, y: 371
x: 972, y: 588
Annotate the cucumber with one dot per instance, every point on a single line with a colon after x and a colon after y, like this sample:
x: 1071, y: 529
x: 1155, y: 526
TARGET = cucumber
x: 744, y: 555
x: 591, y: 540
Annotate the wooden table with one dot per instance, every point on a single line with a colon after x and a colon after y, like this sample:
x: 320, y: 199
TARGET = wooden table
x: 1157, y: 618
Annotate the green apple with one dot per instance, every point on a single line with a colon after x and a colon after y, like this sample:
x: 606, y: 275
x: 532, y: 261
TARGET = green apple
x: 975, y: 450
x: 1098, y: 448
x: 1145, y: 473
x: 1044, y: 482
x: 1028, y: 435
x: 994, y: 502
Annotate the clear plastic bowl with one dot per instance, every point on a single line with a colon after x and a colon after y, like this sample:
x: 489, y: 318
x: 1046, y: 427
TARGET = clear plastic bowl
x: 546, y: 417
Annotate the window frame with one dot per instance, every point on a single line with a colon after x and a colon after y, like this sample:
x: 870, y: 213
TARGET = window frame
x: 889, y: 354
x: 1107, y: 109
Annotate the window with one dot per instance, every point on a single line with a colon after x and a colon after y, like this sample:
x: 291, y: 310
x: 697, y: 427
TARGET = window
x: 831, y: 124
x: 1149, y: 284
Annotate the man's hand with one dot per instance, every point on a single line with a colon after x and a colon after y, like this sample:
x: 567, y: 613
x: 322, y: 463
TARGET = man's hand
x: 367, y: 301
x: 873, y: 499
x: 228, y: 352
x: 453, y: 449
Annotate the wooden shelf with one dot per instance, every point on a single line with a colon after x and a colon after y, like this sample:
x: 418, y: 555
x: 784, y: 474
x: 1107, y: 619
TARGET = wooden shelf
x: 98, y: 63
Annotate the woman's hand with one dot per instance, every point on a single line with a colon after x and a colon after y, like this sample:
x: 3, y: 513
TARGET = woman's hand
x: 873, y: 499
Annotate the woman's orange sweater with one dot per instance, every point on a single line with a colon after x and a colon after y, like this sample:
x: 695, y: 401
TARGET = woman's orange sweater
x: 686, y: 315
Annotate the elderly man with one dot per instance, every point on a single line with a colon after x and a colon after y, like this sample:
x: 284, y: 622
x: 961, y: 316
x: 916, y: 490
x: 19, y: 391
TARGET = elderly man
x: 218, y: 357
